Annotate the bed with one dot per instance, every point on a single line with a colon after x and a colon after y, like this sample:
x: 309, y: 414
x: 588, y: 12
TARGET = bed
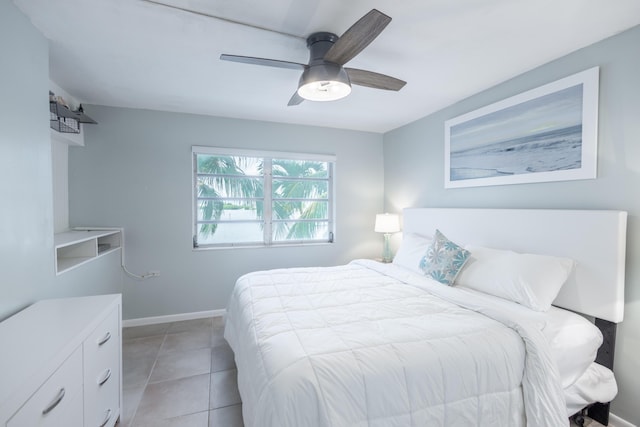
x: 372, y: 344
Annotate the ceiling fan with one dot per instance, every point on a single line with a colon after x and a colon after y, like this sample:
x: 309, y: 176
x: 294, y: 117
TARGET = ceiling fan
x: 324, y: 78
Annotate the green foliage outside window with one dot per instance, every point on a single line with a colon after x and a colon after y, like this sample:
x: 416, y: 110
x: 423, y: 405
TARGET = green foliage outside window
x: 299, y: 200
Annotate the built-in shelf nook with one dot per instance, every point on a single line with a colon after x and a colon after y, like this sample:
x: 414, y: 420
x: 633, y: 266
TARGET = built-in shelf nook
x: 77, y: 247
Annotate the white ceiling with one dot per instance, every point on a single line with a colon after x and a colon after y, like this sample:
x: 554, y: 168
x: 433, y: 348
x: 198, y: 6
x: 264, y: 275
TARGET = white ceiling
x: 131, y: 53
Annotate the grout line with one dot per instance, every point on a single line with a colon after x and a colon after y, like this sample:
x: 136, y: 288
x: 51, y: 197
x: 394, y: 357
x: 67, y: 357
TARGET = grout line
x: 146, y: 384
x: 211, y: 372
x: 210, y: 387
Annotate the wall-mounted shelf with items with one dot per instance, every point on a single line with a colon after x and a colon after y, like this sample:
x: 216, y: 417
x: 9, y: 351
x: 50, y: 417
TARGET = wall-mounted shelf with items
x: 65, y: 120
x: 76, y: 247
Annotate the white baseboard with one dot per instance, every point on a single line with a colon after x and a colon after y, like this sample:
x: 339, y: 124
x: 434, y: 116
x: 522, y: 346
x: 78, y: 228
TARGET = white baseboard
x: 172, y: 318
x: 616, y: 421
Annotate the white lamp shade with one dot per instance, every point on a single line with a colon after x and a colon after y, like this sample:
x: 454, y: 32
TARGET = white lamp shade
x: 387, y: 223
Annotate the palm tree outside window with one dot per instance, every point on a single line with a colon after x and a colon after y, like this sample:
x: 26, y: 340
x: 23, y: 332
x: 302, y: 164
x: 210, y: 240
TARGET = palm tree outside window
x: 247, y: 198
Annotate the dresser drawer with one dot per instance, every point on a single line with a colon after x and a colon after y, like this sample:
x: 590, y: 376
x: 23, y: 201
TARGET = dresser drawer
x: 102, y: 373
x: 58, y: 402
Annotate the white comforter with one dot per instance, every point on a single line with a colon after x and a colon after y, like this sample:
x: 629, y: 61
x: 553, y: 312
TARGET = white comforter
x: 369, y: 344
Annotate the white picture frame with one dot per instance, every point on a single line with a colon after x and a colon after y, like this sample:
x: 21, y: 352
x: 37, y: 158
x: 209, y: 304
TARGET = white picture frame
x: 549, y: 133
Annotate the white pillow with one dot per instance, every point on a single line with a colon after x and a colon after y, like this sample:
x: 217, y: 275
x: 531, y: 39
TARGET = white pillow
x: 531, y: 280
x: 574, y: 343
x: 411, y: 250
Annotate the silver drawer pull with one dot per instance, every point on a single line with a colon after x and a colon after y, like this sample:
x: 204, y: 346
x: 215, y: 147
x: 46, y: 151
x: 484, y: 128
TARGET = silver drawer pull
x: 106, y: 418
x: 56, y: 400
x: 104, y: 339
x: 105, y: 377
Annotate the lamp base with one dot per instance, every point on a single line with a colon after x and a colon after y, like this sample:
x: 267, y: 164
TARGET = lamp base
x: 386, y: 251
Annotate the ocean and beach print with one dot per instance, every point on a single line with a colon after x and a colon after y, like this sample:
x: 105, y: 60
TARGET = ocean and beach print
x: 537, y: 136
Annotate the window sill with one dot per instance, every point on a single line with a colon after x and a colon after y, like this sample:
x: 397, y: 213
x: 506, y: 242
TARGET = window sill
x: 283, y: 245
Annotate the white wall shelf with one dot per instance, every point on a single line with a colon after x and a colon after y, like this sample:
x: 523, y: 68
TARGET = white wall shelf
x: 76, y: 247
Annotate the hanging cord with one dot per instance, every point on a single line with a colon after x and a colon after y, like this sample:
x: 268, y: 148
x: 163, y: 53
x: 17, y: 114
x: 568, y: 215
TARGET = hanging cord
x: 148, y: 275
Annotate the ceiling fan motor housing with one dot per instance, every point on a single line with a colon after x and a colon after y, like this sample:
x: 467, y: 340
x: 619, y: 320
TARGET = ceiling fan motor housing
x: 319, y: 44
x: 323, y: 80
x: 319, y: 69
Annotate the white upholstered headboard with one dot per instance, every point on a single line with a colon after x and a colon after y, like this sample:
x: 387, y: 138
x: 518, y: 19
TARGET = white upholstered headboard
x: 596, y: 240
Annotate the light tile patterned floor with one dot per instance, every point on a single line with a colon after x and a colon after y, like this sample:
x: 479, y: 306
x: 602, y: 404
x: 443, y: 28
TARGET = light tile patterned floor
x: 182, y: 374
x: 179, y: 374
x: 590, y: 423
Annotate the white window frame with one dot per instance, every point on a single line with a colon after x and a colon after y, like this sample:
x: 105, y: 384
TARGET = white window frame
x: 267, y: 202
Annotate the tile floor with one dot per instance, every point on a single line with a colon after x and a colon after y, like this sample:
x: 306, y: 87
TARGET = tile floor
x: 179, y: 374
x: 182, y: 374
x: 590, y: 423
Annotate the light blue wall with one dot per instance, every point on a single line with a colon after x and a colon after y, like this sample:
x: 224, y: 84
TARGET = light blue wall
x: 26, y: 206
x: 26, y: 213
x: 135, y: 171
x: 414, y: 157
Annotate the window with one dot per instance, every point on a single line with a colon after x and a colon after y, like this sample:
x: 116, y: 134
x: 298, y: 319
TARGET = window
x: 249, y: 198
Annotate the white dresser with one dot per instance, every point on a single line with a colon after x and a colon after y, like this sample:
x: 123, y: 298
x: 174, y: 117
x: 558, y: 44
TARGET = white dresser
x: 61, y: 363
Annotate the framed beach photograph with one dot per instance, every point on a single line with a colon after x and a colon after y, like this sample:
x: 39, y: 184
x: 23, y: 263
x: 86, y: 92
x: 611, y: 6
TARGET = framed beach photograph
x: 545, y: 134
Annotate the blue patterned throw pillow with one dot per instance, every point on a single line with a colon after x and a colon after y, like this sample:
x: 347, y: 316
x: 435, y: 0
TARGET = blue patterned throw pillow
x: 443, y: 259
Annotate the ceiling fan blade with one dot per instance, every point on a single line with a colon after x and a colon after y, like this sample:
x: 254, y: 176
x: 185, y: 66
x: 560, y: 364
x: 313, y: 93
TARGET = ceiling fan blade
x: 357, y: 37
x: 295, y: 99
x: 263, y: 61
x: 374, y: 80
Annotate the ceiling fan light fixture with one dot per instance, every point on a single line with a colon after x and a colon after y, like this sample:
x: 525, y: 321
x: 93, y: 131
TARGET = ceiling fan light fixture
x: 325, y: 82
x: 324, y: 90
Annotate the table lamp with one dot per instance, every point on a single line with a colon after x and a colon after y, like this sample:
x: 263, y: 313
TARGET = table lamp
x: 387, y: 223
